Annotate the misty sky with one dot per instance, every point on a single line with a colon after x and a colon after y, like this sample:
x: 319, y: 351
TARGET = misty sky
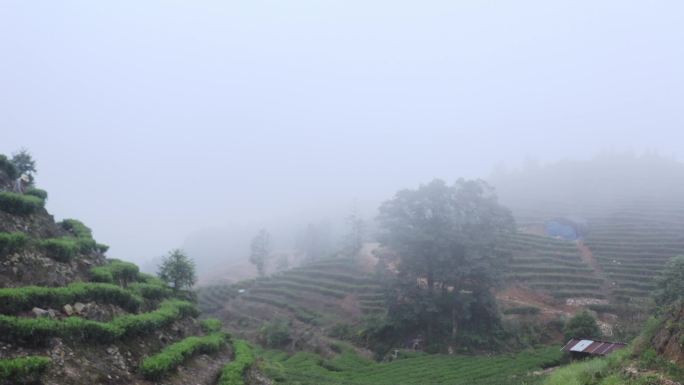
x: 151, y: 120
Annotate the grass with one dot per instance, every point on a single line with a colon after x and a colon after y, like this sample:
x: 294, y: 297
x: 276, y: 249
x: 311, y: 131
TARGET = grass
x: 349, y: 368
x: 233, y: 373
x: 13, y: 300
x: 156, y: 366
x: 597, y: 371
x: 20, y: 204
x: 22, y: 370
x: 39, y: 330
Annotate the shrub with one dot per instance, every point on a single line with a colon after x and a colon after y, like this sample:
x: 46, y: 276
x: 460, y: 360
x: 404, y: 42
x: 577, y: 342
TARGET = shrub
x: 150, y: 291
x: 156, y: 366
x: 22, y: 369
x: 12, y: 242
x: 60, y: 249
x: 8, y: 167
x: 211, y: 325
x: 20, y: 204
x: 233, y: 372
x: 582, y: 325
x: 275, y: 333
x: 14, y: 300
x: 39, y: 330
x: 115, y: 271
x: 671, y: 282
x: 76, y: 228
x: 38, y: 193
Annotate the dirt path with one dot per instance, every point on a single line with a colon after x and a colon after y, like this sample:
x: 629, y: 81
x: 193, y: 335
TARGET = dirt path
x: 589, y: 258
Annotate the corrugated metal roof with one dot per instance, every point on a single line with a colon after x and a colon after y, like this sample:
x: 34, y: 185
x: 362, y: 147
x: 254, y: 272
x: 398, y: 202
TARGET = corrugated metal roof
x: 593, y: 347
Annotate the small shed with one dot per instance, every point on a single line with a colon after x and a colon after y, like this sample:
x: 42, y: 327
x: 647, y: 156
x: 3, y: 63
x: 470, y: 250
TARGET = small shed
x: 582, y: 348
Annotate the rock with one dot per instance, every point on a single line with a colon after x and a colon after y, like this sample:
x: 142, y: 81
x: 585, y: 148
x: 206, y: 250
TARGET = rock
x: 38, y: 312
x: 79, y: 307
x: 68, y: 310
x: 52, y: 313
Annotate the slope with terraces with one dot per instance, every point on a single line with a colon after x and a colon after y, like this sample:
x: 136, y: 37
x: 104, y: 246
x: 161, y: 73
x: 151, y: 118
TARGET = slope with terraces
x: 68, y: 315
x: 315, y: 297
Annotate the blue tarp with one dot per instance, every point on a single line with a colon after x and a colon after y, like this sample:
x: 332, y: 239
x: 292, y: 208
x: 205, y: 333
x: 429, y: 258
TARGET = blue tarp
x: 558, y: 229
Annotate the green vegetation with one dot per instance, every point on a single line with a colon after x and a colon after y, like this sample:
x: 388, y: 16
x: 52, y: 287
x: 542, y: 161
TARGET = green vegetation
x: 12, y: 242
x: 61, y: 249
x: 275, y: 333
x: 348, y: 368
x: 671, y: 283
x: 23, y: 369
x: 116, y: 271
x: 24, y: 164
x: 522, y: 310
x: 156, y: 366
x: 582, y: 325
x: 38, y: 330
x: 211, y: 325
x: 177, y: 270
x: 13, y: 300
x: 19, y: 204
x: 38, y: 193
x: 76, y: 228
x: 260, y: 251
x: 8, y: 167
x: 233, y: 373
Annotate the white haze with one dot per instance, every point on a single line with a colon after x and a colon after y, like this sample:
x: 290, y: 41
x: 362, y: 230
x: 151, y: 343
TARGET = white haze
x: 159, y: 122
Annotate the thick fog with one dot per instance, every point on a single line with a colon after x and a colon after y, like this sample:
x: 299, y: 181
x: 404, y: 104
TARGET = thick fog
x: 166, y: 124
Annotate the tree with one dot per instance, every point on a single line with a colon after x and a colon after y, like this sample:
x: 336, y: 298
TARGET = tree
x: 24, y: 163
x: 446, y: 240
x: 177, y: 270
x: 670, y: 285
x: 315, y: 242
x: 582, y: 325
x: 261, y: 251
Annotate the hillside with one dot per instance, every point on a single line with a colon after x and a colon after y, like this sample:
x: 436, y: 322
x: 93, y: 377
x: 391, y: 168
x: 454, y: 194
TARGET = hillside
x: 70, y: 316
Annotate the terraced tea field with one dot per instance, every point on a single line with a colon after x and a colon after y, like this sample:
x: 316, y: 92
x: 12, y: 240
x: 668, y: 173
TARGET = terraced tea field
x: 348, y: 368
x: 320, y: 293
x: 553, y: 266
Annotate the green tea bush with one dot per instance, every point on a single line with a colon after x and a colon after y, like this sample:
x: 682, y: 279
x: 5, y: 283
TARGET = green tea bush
x: 13, y: 300
x: 12, y: 242
x: 61, y: 249
x: 8, y: 167
x: 20, y: 204
x: 38, y: 330
x: 38, y: 193
x: 233, y: 373
x: 211, y: 325
x: 275, y: 333
x: 76, y: 228
x: 115, y: 271
x: 154, y: 367
x: 150, y: 291
x: 23, y: 369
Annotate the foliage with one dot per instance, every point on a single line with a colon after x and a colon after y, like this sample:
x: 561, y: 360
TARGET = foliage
x: 447, y: 240
x: 348, y: 368
x: 151, y: 291
x: 76, y: 228
x: 156, y: 366
x: 260, y: 251
x: 582, y: 325
x: 24, y: 163
x: 275, y: 333
x: 23, y: 369
x: 13, y: 300
x: 12, y: 242
x: 354, y: 239
x: 36, y: 192
x: 116, y: 271
x: 233, y: 373
x: 8, y: 167
x: 39, y: 330
x: 211, y: 325
x: 596, y: 371
x: 671, y: 283
x: 19, y: 204
x: 177, y: 270
x: 61, y: 249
